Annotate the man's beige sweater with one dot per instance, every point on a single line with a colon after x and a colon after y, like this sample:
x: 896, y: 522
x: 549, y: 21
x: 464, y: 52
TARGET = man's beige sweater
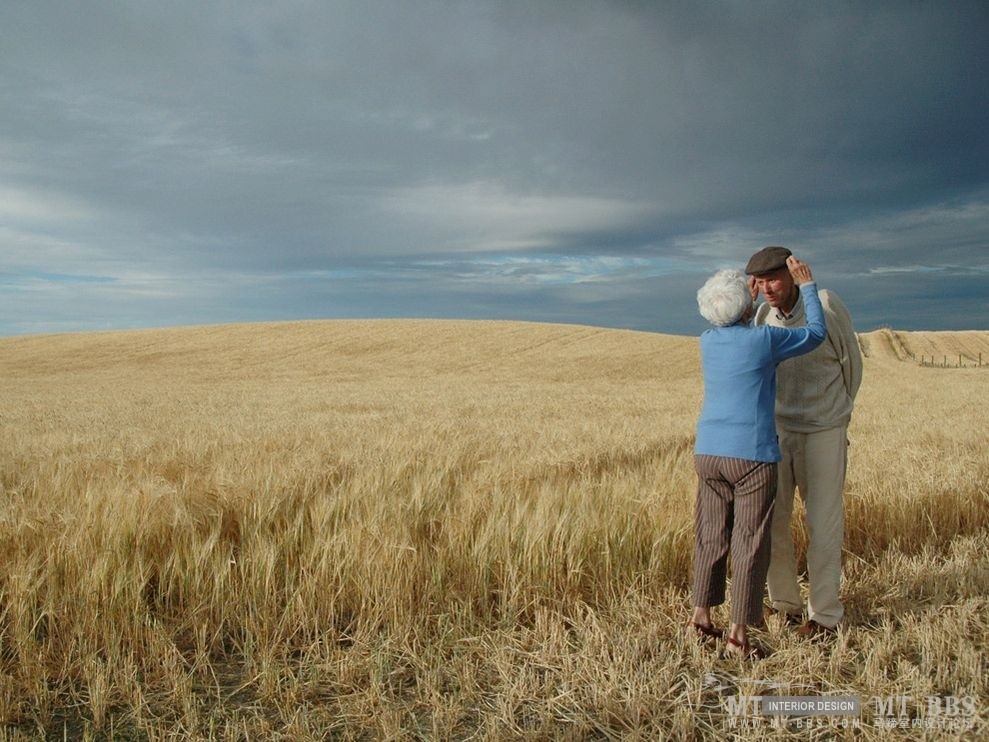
x: 817, y: 391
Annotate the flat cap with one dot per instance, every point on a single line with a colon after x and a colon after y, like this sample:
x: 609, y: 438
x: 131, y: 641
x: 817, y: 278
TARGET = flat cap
x: 767, y: 260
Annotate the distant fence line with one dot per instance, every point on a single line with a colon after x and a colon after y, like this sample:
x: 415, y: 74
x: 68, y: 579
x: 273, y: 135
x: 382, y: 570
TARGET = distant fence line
x: 933, y: 361
x: 902, y: 352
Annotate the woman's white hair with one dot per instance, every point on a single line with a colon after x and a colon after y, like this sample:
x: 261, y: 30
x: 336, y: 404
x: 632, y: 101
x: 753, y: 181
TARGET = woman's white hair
x: 724, y: 298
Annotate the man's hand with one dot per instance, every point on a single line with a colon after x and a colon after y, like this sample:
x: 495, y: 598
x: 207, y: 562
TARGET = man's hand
x: 800, y: 271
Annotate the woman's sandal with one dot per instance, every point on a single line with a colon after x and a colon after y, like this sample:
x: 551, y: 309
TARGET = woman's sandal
x: 706, y: 632
x: 743, y: 650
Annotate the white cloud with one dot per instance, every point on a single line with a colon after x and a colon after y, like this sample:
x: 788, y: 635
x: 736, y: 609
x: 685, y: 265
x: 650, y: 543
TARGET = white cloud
x: 908, y: 269
x: 727, y: 242
x: 484, y: 216
x: 30, y: 205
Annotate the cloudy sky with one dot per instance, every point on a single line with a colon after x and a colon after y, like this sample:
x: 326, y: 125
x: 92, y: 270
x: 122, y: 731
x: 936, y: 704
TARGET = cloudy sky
x: 182, y: 162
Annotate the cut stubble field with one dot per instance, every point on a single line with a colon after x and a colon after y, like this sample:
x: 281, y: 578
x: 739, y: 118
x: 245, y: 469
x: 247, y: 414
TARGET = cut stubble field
x: 446, y: 530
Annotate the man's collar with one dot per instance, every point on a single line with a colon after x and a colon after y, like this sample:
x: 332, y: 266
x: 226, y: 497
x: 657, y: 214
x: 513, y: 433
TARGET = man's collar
x: 782, y: 314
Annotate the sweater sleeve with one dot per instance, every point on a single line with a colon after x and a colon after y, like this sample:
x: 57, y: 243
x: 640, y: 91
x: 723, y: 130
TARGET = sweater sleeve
x: 846, y: 344
x: 790, y: 342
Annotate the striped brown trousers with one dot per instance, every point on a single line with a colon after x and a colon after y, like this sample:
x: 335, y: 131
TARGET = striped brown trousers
x: 733, y: 512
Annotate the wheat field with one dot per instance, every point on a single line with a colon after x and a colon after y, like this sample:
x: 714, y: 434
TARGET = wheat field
x: 448, y: 530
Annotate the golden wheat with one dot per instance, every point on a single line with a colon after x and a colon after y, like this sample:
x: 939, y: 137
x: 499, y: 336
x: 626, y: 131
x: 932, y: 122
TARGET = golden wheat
x: 440, y: 530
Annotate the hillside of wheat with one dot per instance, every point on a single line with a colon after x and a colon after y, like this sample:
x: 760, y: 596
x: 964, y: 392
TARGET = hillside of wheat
x: 446, y: 530
x: 959, y: 348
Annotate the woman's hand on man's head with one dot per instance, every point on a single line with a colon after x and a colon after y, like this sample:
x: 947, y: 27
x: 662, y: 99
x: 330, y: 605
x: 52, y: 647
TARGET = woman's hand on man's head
x: 800, y: 271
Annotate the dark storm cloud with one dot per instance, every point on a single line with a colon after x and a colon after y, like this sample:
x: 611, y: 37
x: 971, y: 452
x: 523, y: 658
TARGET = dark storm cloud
x: 571, y: 162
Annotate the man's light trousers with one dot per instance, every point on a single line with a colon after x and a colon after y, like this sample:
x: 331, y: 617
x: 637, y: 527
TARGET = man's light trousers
x: 813, y: 463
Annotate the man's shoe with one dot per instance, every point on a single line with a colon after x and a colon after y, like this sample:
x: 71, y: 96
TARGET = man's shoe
x: 813, y: 630
x: 790, y: 619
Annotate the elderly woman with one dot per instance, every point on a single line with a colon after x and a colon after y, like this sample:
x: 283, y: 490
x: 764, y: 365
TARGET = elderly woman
x: 736, y: 453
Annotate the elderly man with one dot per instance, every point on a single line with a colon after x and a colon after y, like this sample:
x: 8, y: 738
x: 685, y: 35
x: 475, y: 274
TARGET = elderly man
x: 814, y: 400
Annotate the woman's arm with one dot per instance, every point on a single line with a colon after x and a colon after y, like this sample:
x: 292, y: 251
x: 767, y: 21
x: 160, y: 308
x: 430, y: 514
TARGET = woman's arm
x: 787, y: 342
